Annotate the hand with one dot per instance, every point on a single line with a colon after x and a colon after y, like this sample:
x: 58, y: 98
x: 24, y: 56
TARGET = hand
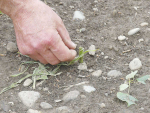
x: 41, y: 34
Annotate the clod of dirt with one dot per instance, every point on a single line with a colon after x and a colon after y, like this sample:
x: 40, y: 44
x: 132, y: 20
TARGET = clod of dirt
x: 71, y: 95
x: 78, y: 15
x: 114, y: 73
x: 92, y: 48
x: 133, y: 31
x: 135, y: 64
x: 11, y: 46
x: 82, y: 66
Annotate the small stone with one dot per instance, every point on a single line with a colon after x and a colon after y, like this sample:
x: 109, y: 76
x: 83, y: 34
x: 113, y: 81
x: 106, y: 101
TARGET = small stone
x: 71, y: 95
x: 5, y: 107
x: 97, y: 73
x: 78, y: 15
x: 121, y: 37
x: 63, y: 109
x: 27, y: 82
x: 114, y: 13
x: 45, y: 105
x: 89, y: 89
x: 114, y: 73
x: 57, y: 101
x: 142, y: 108
x: 83, y: 96
x: 29, y: 98
x: 95, y: 9
x: 82, y: 66
x: 33, y: 111
x: 92, y: 48
x: 45, y: 89
x: 102, y: 53
x: 102, y: 105
x: 135, y: 64
x: 106, y: 57
x: 141, y: 40
x: 133, y: 31
x: 11, y: 46
x: 82, y: 30
x: 144, y: 24
x: 72, y: 7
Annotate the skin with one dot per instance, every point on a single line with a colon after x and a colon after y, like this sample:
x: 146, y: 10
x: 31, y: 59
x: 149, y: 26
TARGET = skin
x: 40, y: 32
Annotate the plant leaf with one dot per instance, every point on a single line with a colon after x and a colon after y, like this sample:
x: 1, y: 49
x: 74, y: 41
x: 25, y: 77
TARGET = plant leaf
x: 131, y: 75
x: 123, y: 87
x: 127, y: 98
x: 20, y: 73
x: 143, y: 79
x: 1, y: 13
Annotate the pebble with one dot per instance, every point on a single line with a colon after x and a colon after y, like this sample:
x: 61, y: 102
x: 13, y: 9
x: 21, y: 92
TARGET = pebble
x: 135, y: 64
x: 63, y: 109
x: 45, y: 89
x: 27, y: 82
x: 141, y: 40
x: 95, y: 9
x: 83, y: 96
x: 114, y: 73
x: 29, y: 98
x: 78, y: 15
x: 12, y: 47
x: 144, y: 24
x: 82, y: 30
x: 4, y: 106
x: 92, y: 47
x: 121, y: 37
x: 89, y: 89
x: 71, y: 95
x: 97, y: 73
x: 102, y: 105
x: 82, y: 66
x: 33, y: 111
x: 106, y: 57
x: 57, y: 101
x: 115, y: 13
x: 133, y: 31
x: 45, y: 105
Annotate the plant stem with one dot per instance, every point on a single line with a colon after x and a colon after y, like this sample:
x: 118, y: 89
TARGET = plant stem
x: 129, y: 86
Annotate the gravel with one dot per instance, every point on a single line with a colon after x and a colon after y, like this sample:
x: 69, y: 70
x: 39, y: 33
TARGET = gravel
x: 27, y: 82
x: 92, y: 47
x: 45, y: 105
x: 97, y: 73
x: 114, y: 73
x: 71, y: 96
x: 82, y: 66
x: 12, y: 47
x: 89, y: 89
x: 135, y: 64
x: 133, y: 31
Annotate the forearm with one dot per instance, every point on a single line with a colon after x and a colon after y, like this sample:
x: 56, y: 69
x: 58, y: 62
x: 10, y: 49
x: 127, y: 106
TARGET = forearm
x: 12, y: 7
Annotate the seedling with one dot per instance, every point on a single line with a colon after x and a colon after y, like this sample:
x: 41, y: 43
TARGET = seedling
x: 126, y: 96
x: 1, y: 13
x: 41, y: 72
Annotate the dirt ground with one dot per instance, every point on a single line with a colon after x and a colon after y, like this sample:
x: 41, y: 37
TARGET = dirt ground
x: 102, y: 29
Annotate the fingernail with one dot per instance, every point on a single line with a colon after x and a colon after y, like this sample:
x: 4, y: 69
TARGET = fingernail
x: 73, y: 45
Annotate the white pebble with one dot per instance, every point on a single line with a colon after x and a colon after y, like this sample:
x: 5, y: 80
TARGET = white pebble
x: 141, y: 40
x: 102, y: 105
x: 92, y: 50
x: 27, y: 82
x: 33, y: 111
x: 97, y: 73
x: 135, y: 64
x: 78, y: 15
x: 144, y: 24
x: 89, y: 89
x: 121, y: 37
x: 82, y: 66
x: 71, y: 95
x: 95, y: 9
x: 133, y: 31
x: 45, y: 105
x: 114, y: 73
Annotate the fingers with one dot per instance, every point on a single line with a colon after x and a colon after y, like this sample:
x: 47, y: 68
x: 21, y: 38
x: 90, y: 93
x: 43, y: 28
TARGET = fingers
x: 65, y: 36
x: 60, y: 50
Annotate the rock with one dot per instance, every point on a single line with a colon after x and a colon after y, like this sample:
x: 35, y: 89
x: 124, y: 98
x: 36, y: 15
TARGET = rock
x: 121, y: 37
x: 29, y: 98
x: 45, y: 89
x: 45, y: 105
x: 135, y: 64
x: 82, y: 66
x: 97, y: 73
x: 95, y: 9
x: 78, y: 15
x: 114, y: 73
x: 106, y: 57
x: 114, y: 13
x: 141, y: 40
x: 133, y: 31
x: 102, y: 105
x: 144, y: 24
x: 57, y: 101
x: 125, y: 111
x: 33, y: 111
x: 27, y: 82
x: 5, y: 106
x: 82, y: 30
x: 83, y: 96
x: 11, y: 46
x: 89, y: 89
x: 63, y: 109
x: 71, y: 96
x: 92, y: 48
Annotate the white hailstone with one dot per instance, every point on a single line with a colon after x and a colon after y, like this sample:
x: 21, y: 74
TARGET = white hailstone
x: 133, y: 31
x: 121, y: 37
x: 144, y: 24
x: 78, y: 15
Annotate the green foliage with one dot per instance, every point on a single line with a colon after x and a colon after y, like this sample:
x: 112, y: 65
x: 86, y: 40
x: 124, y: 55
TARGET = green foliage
x: 126, y: 96
x: 1, y: 13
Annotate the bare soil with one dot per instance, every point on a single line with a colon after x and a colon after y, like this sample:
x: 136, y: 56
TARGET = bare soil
x: 113, y: 18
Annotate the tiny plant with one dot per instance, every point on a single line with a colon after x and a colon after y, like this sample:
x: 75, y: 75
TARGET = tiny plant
x: 1, y: 13
x: 41, y: 72
x: 126, y: 96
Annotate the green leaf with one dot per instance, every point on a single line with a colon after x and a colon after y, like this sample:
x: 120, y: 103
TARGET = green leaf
x: 123, y: 87
x: 143, y: 79
x: 127, y: 98
x: 20, y: 73
x: 131, y: 75
x: 1, y: 13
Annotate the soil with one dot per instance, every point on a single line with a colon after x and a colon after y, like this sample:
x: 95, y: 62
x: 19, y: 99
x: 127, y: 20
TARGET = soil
x: 113, y: 18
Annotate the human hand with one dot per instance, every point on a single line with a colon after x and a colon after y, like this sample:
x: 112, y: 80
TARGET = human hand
x: 41, y: 34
